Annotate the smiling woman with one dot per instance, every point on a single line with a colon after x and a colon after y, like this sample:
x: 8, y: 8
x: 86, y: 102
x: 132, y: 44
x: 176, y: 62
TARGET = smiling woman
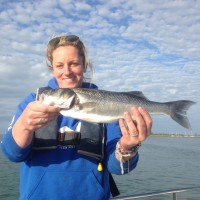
x: 58, y: 152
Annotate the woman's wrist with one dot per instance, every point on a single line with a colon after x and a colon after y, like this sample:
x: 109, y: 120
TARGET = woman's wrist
x: 125, y: 155
x: 127, y: 152
x: 22, y: 136
x: 126, y: 147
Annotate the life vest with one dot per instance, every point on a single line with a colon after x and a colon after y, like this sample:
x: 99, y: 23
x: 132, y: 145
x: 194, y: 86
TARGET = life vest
x: 89, y: 140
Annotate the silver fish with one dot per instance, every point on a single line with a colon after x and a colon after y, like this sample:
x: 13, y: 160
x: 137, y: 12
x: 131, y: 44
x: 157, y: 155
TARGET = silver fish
x: 101, y: 106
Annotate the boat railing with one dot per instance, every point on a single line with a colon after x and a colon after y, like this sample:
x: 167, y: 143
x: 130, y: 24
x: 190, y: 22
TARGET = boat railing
x: 173, y: 192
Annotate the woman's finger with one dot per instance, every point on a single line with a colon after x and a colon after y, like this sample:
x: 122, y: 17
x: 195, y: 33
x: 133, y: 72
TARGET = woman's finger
x: 131, y: 128
x: 140, y: 123
x: 123, y: 128
x: 147, y: 119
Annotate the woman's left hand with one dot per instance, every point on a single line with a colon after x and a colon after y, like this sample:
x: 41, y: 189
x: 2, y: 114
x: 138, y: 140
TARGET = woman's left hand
x: 134, y: 131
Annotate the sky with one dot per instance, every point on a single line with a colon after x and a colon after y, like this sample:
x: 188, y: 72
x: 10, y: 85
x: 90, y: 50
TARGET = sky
x: 150, y: 46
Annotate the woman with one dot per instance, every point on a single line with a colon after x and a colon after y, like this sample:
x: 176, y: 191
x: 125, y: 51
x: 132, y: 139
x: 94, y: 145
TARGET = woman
x: 70, y: 168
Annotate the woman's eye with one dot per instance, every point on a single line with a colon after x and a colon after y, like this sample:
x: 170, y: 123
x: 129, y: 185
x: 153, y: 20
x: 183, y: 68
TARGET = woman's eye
x: 59, y: 66
x: 75, y: 64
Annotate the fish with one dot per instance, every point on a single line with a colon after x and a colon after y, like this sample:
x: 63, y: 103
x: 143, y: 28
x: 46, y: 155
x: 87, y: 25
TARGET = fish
x: 102, y: 106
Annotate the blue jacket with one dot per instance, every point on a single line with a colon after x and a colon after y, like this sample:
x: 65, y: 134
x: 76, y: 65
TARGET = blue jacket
x: 62, y: 173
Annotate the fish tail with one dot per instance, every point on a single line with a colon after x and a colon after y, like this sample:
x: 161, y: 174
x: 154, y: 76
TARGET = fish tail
x: 178, y: 112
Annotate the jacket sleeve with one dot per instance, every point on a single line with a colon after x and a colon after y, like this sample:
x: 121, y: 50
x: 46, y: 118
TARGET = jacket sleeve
x: 8, y: 145
x: 113, y: 134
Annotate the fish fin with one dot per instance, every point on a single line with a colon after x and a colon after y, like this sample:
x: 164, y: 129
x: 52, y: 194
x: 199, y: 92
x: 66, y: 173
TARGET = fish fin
x: 178, y: 112
x: 138, y: 94
x: 86, y: 106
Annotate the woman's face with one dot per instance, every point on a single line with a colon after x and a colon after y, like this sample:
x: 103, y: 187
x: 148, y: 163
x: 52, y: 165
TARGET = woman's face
x: 67, y: 66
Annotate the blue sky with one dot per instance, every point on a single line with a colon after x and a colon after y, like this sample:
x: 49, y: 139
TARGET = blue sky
x: 152, y: 46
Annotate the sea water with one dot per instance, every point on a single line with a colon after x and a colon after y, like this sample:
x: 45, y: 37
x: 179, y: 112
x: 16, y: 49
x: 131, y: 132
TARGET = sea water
x: 165, y: 163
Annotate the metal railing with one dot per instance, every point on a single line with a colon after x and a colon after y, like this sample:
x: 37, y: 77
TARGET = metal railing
x: 158, y: 193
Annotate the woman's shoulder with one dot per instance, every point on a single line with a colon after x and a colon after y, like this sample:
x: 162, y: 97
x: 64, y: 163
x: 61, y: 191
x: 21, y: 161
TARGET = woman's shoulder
x: 29, y: 98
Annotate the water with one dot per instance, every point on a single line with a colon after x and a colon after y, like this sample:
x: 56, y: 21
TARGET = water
x: 165, y: 163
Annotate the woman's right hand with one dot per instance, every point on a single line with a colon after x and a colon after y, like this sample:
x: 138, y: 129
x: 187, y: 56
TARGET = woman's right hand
x: 35, y: 116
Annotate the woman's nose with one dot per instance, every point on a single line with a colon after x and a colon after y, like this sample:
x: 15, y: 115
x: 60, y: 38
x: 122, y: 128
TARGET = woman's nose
x: 67, y: 70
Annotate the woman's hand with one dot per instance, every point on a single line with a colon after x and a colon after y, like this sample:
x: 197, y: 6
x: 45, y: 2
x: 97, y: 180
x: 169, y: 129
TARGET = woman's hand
x: 135, y: 132
x: 34, y: 117
x: 37, y: 115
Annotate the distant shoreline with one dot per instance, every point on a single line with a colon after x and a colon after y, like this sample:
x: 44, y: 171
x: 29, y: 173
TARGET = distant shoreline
x: 175, y: 135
